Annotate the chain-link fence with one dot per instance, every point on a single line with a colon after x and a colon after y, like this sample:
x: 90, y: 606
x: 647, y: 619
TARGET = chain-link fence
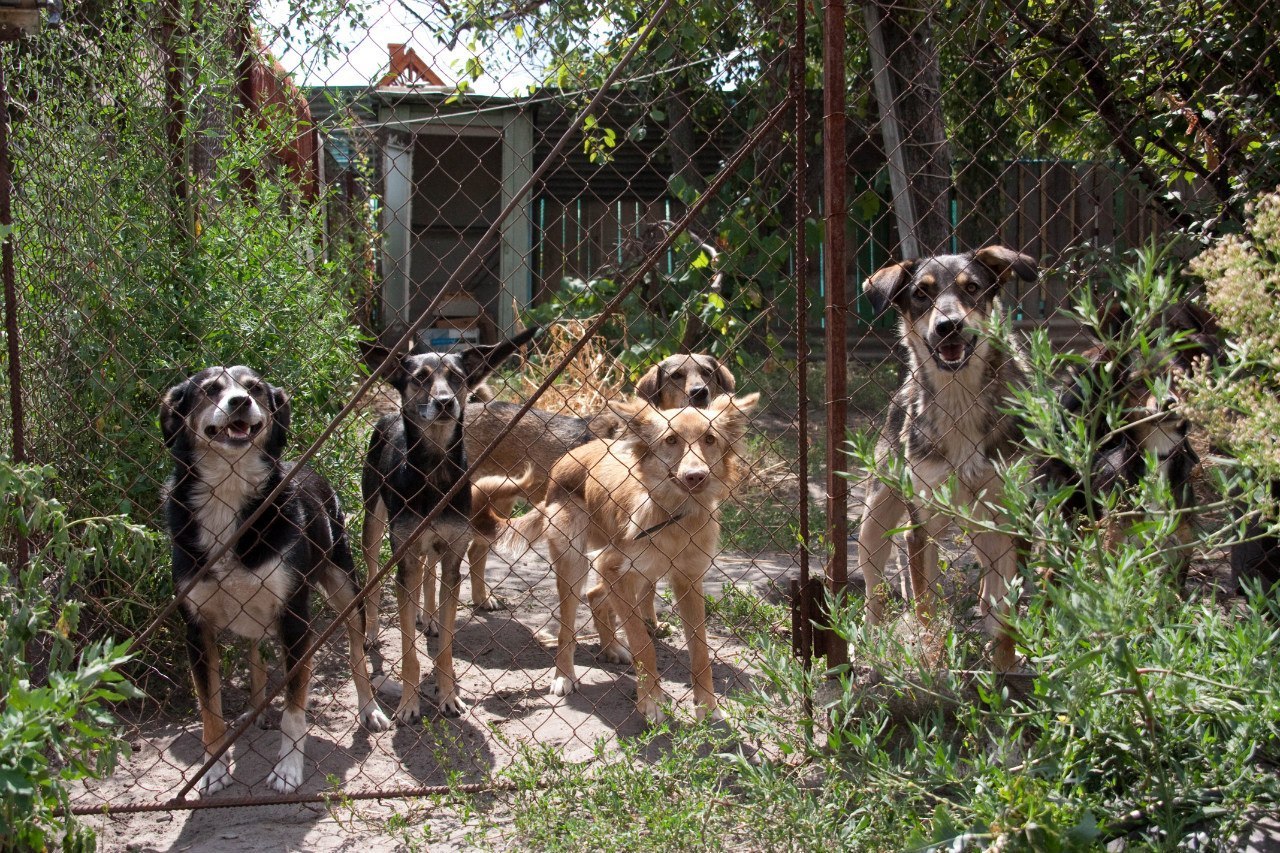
x: 690, y: 199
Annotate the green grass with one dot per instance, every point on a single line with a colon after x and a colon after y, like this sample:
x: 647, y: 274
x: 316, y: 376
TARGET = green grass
x: 1146, y: 718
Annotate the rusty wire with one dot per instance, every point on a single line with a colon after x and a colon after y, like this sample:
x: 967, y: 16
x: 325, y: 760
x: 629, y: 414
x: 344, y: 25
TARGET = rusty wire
x: 619, y: 223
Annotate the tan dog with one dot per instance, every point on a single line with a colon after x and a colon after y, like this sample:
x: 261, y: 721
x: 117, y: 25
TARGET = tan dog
x: 525, y: 455
x: 685, y: 380
x: 540, y: 438
x: 648, y: 503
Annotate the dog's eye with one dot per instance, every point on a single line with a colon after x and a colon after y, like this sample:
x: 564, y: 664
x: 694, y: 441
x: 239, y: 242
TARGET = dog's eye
x: 211, y: 388
x: 919, y: 295
x: 678, y: 375
x: 971, y: 287
x: 709, y: 439
x: 671, y: 439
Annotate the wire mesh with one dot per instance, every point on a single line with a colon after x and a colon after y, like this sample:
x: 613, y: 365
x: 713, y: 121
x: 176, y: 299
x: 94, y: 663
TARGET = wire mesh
x: 328, y: 192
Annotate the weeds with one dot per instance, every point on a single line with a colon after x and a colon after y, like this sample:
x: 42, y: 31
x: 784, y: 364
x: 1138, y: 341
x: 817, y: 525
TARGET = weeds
x: 1145, y: 714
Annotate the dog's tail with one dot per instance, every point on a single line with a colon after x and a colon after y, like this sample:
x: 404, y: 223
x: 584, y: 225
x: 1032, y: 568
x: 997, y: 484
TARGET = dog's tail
x: 492, y: 499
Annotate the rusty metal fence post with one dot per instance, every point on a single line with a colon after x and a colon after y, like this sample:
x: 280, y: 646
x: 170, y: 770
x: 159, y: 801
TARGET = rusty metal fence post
x: 17, y: 418
x: 837, y: 307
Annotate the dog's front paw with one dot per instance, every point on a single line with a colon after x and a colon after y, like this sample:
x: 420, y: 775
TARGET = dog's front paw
x: 410, y: 710
x: 287, y: 775
x: 215, y: 779
x: 616, y: 653
x: 702, y: 712
x: 372, y: 718
x: 562, y: 686
x: 651, y: 709
x: 491, y: 602
x: 429, y: 627
x: 453, y: 706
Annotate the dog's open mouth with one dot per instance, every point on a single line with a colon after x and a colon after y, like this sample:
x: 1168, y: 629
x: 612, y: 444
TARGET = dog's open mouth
x: 952, y: 352
x: 236, y: 432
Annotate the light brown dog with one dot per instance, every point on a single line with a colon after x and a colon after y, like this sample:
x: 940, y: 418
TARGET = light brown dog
x: 525, y: 456
x: 540, y: 438
x: 648, y: 503
x: 685, y: 380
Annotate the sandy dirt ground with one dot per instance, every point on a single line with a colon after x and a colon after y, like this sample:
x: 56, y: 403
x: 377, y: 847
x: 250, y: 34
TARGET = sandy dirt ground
x: 504, y: 669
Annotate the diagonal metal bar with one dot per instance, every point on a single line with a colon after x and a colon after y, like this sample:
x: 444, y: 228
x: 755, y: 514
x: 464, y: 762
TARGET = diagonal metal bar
x: 468, y: 788
x: 637, y: 275
x: 459, y: 274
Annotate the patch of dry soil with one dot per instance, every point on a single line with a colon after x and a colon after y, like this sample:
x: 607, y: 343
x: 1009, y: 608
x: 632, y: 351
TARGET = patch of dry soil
x: 504, y: 669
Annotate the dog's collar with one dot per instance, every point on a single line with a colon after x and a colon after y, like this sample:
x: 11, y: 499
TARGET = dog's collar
x: 649, y: 531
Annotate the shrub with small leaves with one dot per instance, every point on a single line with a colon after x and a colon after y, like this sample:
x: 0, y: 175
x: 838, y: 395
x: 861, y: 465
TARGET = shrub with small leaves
x: 56, y: 720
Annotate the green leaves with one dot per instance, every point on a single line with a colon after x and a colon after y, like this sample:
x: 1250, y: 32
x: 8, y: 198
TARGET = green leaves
x: 56, y: 733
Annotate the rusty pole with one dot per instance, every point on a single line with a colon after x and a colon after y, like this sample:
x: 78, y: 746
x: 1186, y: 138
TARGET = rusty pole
x: 803, y: 630
x: 16, y: 416
x: 835, y: 163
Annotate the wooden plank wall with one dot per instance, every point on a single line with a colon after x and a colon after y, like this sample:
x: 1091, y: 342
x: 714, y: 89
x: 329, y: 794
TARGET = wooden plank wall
x: 1049, y: 209
x: 1052, y: 210
x: 581, y: 238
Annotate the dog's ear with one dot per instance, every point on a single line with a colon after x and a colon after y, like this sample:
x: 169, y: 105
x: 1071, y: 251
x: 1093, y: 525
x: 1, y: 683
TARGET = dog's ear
x: 173, y: 412
x: 886, y: 285
x: 724, y: 376
x: 650, y: 385
x: 479, y: 361
x: 639, y: 419
x: 1004, y: 262
x: 732, y: 414
x: 281, y: 416
x: 397, y: 373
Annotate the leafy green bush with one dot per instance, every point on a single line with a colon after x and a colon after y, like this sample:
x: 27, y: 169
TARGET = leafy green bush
x: 59, y: 729
x: 1239, y: 404
x: 129, y: 285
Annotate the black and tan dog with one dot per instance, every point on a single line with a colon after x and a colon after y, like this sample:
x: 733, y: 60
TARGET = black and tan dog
x: 947, y: 423
x: 1129, y: 403
x: 226, y: 429
x: 415, y: 457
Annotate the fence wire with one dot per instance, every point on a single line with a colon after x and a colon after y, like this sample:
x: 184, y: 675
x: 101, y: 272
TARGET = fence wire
x: 700, y: 204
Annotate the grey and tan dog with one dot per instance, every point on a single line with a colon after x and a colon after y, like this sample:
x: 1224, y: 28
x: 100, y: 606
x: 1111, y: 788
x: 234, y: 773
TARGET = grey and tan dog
x: 946, y: 423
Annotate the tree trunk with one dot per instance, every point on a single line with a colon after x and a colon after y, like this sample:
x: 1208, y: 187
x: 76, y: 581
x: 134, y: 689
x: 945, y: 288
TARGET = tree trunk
x: 909, y: 97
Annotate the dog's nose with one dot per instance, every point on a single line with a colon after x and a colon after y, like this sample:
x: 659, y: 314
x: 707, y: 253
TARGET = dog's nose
x: 700, y: 394
x: 693, y: 479
x: 947, y: 326
x: 237, y: 402
x: 443, y: 402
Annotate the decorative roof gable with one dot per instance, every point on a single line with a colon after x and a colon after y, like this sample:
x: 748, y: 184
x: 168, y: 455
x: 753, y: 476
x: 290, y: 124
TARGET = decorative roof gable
x: 408, y: 69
